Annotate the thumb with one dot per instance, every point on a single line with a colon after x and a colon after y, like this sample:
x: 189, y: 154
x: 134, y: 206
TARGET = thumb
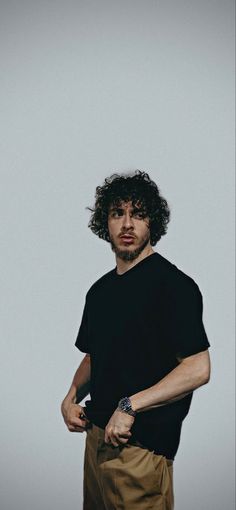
x: 82, y: 414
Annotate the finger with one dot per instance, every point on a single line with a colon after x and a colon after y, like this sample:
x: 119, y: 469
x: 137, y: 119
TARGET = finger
x: 115, y: 443
x: 77, y: 431
x: 122, y: 440
x: 115, y: 440
x: 76, y: 422
x: 107, y: 438
x: 110, y: 440
x: 83, y: 416
x: 126, y: 435
x: 71, y: 428
x: 74, y: 425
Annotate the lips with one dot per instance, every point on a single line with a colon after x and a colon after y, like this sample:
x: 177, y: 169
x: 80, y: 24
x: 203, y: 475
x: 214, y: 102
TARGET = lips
x: 127, y: 238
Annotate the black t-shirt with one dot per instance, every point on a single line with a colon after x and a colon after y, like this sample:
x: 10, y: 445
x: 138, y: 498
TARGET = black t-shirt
x: 134, y: 326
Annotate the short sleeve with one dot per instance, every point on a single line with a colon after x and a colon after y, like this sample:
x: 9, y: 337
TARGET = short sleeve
x: 188, y: 335
x: 82, y: 338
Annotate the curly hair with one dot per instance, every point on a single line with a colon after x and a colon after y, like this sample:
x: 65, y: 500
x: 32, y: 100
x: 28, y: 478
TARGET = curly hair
x: 137, y: 188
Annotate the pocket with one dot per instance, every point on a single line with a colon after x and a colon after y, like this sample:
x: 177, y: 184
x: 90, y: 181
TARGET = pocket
x: 160, y: 467
x: 164, y: 477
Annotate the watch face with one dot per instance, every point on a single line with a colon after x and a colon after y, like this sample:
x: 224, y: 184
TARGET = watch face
x: 125, y: 405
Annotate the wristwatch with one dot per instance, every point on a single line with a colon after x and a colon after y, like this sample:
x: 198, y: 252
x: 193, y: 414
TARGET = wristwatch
x: 124, y: 405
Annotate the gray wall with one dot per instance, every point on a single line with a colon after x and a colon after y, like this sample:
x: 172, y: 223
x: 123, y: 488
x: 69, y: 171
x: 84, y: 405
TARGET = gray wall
x: 88, y: 88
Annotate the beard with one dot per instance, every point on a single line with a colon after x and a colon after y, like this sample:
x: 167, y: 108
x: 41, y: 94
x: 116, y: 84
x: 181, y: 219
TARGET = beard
x: 126, y: 255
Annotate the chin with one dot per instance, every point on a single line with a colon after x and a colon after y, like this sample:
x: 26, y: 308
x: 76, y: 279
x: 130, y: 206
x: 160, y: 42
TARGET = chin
x: 128, y: 254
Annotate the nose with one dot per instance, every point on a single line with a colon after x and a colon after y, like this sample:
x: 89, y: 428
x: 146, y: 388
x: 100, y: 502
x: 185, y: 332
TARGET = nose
x: 127, y: 222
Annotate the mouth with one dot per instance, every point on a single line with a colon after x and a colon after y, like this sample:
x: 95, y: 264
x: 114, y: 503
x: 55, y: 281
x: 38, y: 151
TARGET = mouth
x: 127, y: 238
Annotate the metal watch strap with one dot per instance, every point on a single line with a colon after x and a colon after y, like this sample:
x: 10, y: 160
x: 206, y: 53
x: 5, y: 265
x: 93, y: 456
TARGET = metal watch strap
x: 125, y: 406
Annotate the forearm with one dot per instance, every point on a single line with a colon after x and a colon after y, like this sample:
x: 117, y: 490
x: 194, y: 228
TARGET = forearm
x: 80, y: 384
x: 186, y: 377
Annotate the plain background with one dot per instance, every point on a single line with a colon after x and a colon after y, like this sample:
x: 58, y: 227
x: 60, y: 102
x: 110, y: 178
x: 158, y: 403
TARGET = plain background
x: 89, y: 88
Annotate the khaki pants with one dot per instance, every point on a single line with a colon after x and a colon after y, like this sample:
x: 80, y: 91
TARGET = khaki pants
x: 127, y: 477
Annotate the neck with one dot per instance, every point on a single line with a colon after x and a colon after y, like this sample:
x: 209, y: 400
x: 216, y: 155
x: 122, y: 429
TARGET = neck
x: 125, y: 265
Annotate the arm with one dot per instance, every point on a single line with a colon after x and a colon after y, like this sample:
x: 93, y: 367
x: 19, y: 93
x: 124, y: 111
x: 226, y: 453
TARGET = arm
x: 78, y: 390
x: 191, y: 373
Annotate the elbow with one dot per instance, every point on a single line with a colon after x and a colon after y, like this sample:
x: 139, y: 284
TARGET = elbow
x: 207, y: 374
x: 202, y: 368
x: 205, y: 378
x: 207, y: 369
x: 200, y: 378
x: 204, y: 374
x: 200, y: 375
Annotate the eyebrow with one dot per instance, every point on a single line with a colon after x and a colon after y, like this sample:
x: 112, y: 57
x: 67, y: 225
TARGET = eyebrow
x: 114, y: 208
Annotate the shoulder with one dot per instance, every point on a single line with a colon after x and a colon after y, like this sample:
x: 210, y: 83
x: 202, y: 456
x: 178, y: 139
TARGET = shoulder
x: 100, y: 284
x: 176, y: 280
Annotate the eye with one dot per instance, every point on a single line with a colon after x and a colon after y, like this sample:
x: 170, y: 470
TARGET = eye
x: 139, y: 214
x: 116, y: 213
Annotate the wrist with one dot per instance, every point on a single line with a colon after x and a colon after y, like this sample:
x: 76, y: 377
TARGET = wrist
x: 134, y: 404
x: 125, y: 406
x: 66, y: 403
x: 71, y: 396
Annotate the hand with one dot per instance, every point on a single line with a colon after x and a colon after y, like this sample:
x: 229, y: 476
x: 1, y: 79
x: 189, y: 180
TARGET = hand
x: 74, y: 417
x: 118, y: 428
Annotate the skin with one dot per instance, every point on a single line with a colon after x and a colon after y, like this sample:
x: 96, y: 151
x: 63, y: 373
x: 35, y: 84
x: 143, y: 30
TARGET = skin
x: 125, y: 220
x: 71, y: 411
x: 191, y: 372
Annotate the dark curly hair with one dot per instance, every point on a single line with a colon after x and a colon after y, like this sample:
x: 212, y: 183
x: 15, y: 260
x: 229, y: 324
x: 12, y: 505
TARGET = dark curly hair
x: 137, y: 188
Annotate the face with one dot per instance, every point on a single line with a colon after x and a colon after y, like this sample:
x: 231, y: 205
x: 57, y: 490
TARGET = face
x: 128, y: 230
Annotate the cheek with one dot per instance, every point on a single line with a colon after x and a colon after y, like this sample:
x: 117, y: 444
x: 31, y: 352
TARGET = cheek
x: 113, y: 228
x: 143, y: 229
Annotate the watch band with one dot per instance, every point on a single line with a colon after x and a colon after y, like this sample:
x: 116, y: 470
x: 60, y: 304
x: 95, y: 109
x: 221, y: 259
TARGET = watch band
x: 125, y: 406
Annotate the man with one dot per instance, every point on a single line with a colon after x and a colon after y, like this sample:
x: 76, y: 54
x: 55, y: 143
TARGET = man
x: 146, y: 351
